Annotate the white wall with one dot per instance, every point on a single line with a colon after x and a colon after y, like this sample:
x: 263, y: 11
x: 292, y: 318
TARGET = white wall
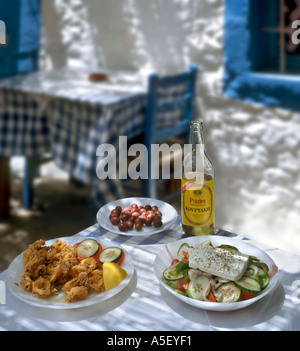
x: 255, y: 149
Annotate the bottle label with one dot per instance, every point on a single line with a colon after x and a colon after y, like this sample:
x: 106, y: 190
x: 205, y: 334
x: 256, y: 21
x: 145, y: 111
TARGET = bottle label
x: 197, y: 203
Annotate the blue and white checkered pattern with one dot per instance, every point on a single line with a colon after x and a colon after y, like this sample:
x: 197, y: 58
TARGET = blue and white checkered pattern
x: 163, y: 237
x: 40, y: 115
x: 79, y: 128
x: 71, y: 128
x: 24, y: 126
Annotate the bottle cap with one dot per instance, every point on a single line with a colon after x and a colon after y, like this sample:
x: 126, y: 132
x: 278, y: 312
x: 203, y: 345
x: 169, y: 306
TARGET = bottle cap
x: 196, y: 125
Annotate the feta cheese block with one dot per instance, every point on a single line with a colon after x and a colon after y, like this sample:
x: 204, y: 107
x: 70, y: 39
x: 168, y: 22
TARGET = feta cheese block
x: 217, y: 261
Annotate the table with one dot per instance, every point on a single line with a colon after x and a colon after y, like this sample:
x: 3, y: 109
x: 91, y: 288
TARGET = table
x: 61, y: 112
x: 146, y: 306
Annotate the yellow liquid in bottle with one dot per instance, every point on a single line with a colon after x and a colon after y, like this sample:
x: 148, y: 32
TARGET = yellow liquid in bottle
x: 197, y: 206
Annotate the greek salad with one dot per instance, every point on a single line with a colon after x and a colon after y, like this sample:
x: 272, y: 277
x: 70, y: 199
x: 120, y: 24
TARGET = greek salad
x: 217, y: 274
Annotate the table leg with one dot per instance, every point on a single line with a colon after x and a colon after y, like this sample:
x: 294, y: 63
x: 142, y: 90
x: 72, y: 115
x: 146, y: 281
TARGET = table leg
x: 4, y: 187
x: 28, y: 189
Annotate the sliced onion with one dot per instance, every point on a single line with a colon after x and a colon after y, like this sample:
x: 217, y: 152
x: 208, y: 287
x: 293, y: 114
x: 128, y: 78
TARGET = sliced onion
x: 204, y: 293
x: 192, y: 272
x: 232, y: 298
x: 222, y: 280
x: 254, y: 269
x: 218, y: 296
x: 168, y: 251
x: 214, y: 285
x: 208, y: 275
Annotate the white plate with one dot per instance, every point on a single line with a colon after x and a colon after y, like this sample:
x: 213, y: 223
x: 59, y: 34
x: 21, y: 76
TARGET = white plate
x: 169, y: 215
x: 16, y: 270
x: 163, y: 260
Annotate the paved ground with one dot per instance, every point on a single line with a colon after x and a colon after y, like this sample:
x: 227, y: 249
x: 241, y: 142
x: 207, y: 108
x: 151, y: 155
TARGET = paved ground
x: 60, y: 209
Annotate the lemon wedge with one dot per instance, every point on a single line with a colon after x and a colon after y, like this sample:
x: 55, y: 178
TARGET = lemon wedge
x: 113, y: 274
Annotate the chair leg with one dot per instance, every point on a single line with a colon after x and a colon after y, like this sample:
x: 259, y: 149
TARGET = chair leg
x: 153, y: 191
x: 28, y: 189
x: 92, y: 211
x: 4, y: 187
x: 148, y: 188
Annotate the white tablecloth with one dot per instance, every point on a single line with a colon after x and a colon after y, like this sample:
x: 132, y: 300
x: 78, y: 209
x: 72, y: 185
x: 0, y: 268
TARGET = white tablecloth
x: 145, y: 306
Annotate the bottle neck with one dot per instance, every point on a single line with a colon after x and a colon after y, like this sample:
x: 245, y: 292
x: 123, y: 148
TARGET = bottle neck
x: 194, y: 162
x: 196, y: 136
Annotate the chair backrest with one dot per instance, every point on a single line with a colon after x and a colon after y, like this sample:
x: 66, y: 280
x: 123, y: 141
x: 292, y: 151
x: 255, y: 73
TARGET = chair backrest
x: 170, y: 105
x: 170, y: 109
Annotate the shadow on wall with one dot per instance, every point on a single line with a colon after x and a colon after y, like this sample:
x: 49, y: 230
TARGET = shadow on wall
x: 128, y: 34
x: 142, y: 35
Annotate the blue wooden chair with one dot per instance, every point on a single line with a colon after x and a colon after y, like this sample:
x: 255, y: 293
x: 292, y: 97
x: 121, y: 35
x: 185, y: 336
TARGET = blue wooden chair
x: 169, y: 111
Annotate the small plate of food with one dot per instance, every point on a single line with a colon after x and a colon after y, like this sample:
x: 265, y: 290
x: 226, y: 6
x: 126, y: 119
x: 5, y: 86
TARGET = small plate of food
x: 69, y: 272
x: 137, y: 216
x: 216, y: 272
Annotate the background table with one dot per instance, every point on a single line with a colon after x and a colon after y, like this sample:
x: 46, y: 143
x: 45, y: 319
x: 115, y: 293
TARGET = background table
x: 62, y: 113
x: 145, y: 306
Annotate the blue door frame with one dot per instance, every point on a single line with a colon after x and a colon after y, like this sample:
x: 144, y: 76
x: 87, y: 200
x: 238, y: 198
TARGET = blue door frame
x: 22, y: 20
x: 247, y: 51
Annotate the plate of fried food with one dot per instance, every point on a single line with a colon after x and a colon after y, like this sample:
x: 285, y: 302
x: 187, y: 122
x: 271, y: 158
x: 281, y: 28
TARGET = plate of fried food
x: 69, y: 272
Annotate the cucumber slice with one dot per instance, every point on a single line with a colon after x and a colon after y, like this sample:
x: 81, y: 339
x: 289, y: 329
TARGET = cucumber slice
x: 261, y: 275
x: 207, y: 242
x: 171, y: 274
x: 260, y: 266
x: 264, y: 282
x: 110, y: 254
x: 88, y: 248
x: 197, y: 287
x: 228, y: 247
x: 251, y: 272
x: 193, y: 273
x: 181, y: 292
x: 249, y: 285
x: 228, y: 292
x: 169, y: 282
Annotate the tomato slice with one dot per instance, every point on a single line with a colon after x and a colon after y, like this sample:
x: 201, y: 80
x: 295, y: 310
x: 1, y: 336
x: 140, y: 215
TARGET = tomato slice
x: 246, y: 295
x: 185, y: 255
x: 121, y: 259
x: 182, y: 284
x: 211, y: 297
x: 174, y: 261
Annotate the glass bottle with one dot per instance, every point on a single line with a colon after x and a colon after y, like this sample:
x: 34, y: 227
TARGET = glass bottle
x: 197, y: 192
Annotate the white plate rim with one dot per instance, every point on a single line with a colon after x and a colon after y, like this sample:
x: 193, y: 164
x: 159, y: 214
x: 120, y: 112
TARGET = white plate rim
x: 216, y: 240
x: 16, y: 269
x: 104, y: 212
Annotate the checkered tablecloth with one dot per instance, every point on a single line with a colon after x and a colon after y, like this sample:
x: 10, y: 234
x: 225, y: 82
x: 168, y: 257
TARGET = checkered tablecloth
x: 61, y: 112
x: 81, y: 127
x: 163, y: 237
x: 64, y: 114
